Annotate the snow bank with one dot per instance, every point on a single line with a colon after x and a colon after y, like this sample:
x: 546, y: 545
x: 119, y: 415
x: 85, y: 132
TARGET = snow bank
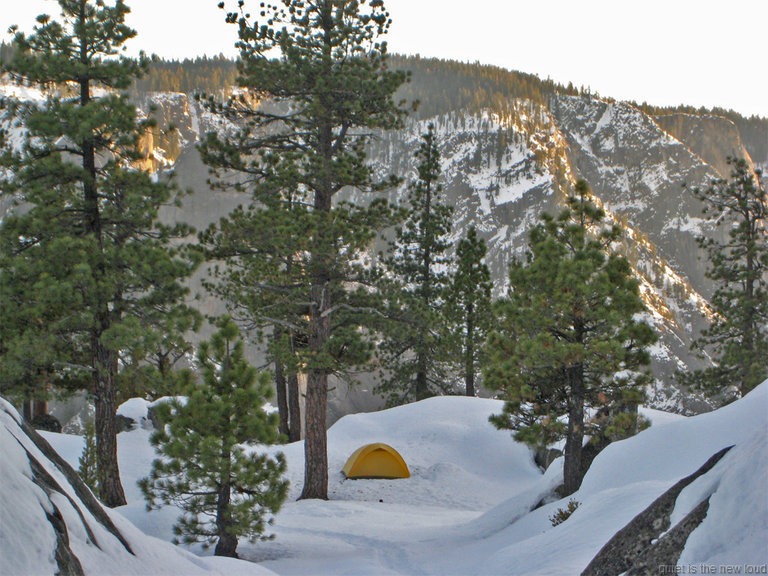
x: 629, y: 475
x: 28, y: 542
x: 447, y: 443
x: 670, y: 452
x: 136, y: 409
x: 735, y: 531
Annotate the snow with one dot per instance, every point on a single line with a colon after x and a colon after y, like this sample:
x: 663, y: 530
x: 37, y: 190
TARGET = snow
x: 513, y: 177
x: 21, y: 93
x: 446, y: 442
x: 688, y: 223
x: 195, y: 117
x: 28, y: 541
x: 24, y: 528
x: 728, y: 535
x: 468, y: 507
x: 136, y: 409
x: 606, y: 119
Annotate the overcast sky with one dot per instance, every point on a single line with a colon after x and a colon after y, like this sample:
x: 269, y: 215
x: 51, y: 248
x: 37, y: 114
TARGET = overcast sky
x: 666, y: 52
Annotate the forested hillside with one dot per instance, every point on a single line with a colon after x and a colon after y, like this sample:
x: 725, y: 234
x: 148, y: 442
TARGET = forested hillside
x: 438, y: 86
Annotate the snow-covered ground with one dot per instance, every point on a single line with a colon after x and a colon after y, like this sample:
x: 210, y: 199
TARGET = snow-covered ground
x: 466, y: 507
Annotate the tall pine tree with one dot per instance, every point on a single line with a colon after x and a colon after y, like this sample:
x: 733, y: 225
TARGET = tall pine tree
x: 205, y: 465
x: 323, y: 68
x: 469, y: 306
x: 737, y: 338
x: 415, y: 346
x: 110, y: 272
x: 568, y: 338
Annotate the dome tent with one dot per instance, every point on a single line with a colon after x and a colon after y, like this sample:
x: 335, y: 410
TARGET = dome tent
x: 376, y: 461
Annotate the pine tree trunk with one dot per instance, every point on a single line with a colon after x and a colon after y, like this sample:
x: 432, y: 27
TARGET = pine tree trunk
x: 103, y: 361
x: 105, y: 425
x: 422, y: 386
x: 748, y: 327
x: 573, y: 472
x: 26, y: 409
x: 469, y: 354
x: 227, y: 544
x: 40, y: 408
x: 294, y: 408
x: 280, y: 389
x: 315, y: 439
x: 422, y: 389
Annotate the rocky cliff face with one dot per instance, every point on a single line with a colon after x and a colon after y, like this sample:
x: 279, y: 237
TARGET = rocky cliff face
x: 500, y: 172
x: 711, y: 138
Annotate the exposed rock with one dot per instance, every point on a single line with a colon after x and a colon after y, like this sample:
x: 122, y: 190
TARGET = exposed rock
x: 666, y: 552
x: 83, y: 493
x: 545, y: 456
x: 152, y: 416
x: 46, y: 422
x: 124, y: 423
x: 712, y: 138
x: 61, y: 495
x: 635, y: 545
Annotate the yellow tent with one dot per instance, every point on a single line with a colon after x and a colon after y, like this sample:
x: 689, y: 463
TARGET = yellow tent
x: 376, y: 461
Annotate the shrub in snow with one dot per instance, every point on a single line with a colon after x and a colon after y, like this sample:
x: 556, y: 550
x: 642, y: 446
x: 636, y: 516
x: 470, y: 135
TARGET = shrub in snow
x: 563, y: 514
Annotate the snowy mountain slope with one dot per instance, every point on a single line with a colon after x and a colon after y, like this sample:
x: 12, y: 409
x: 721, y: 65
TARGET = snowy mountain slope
x: 469, y: 506
x: 638, y: 170
x: 51, y: 524
x: 501, y: 173
x: 498, y: 173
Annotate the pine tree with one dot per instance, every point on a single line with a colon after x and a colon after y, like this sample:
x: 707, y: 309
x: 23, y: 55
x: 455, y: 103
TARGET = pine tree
x: 87, y: 462
x: 206, y: 466
x: 329, y: 87
x: 737, y: 338
x: 415, y: 346
x: 88, y: 245
x: 469, y: 305
x: 568, y: 338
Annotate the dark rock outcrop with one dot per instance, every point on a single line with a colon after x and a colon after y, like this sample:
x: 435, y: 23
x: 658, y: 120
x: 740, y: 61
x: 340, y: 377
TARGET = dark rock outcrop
x: 46, y: 422
x: 639, y: 548
x: 544, y: 456
x: 665, y: 553
x: 124, y: 423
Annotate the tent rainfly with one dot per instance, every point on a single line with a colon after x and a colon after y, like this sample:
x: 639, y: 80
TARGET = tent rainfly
x: 376, y: 461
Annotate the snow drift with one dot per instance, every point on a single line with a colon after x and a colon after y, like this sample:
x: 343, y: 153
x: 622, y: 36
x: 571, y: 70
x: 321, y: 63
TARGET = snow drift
x: 50, y: 523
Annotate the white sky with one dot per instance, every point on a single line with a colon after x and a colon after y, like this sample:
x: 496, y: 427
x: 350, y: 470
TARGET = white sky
x: 666, y: 52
